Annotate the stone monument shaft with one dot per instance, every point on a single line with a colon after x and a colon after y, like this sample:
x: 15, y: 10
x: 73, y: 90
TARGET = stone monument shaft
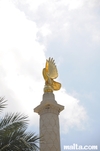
x: 49, y: 122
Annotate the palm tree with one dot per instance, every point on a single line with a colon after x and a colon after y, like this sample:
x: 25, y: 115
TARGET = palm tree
x: 13, y: 132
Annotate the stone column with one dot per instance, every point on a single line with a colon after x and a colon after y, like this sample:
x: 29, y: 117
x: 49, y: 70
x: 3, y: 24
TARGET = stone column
x: 49, y: 110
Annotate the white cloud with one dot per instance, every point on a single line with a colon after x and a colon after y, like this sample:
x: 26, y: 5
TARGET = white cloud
x: 21, y: 61
x: 74, y: 114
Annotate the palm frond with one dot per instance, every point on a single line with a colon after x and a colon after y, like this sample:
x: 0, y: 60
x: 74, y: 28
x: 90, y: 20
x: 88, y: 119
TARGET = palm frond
x: 13, y: 134
x: 18, y: 142
x: 13, y: 120
x: 32, y: 139
x: 2, y: 103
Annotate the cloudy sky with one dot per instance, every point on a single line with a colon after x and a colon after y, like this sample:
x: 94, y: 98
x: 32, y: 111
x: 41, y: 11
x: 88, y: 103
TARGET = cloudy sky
x: 68, y: 31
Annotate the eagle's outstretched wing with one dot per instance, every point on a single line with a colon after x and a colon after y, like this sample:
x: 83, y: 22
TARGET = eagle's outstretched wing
x: 51, y: 69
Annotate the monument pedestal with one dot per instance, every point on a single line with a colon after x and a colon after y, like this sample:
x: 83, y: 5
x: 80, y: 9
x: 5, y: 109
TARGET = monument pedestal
x: 49, y: 110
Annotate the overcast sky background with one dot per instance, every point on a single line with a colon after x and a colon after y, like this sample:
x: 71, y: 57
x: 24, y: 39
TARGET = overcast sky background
x: 68, y: 31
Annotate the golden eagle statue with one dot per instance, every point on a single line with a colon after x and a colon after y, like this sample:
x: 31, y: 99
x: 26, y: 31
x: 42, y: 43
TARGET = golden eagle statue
x: 49, y: 73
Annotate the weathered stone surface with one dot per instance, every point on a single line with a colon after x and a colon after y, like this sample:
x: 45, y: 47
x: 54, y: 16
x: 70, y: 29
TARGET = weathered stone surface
x: 49, y: 122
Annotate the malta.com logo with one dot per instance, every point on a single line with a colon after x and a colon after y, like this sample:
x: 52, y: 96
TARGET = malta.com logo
x: 80, y: 147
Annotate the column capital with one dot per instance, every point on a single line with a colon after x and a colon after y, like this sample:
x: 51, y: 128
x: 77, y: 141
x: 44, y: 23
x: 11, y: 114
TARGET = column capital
x: 48, y: 104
